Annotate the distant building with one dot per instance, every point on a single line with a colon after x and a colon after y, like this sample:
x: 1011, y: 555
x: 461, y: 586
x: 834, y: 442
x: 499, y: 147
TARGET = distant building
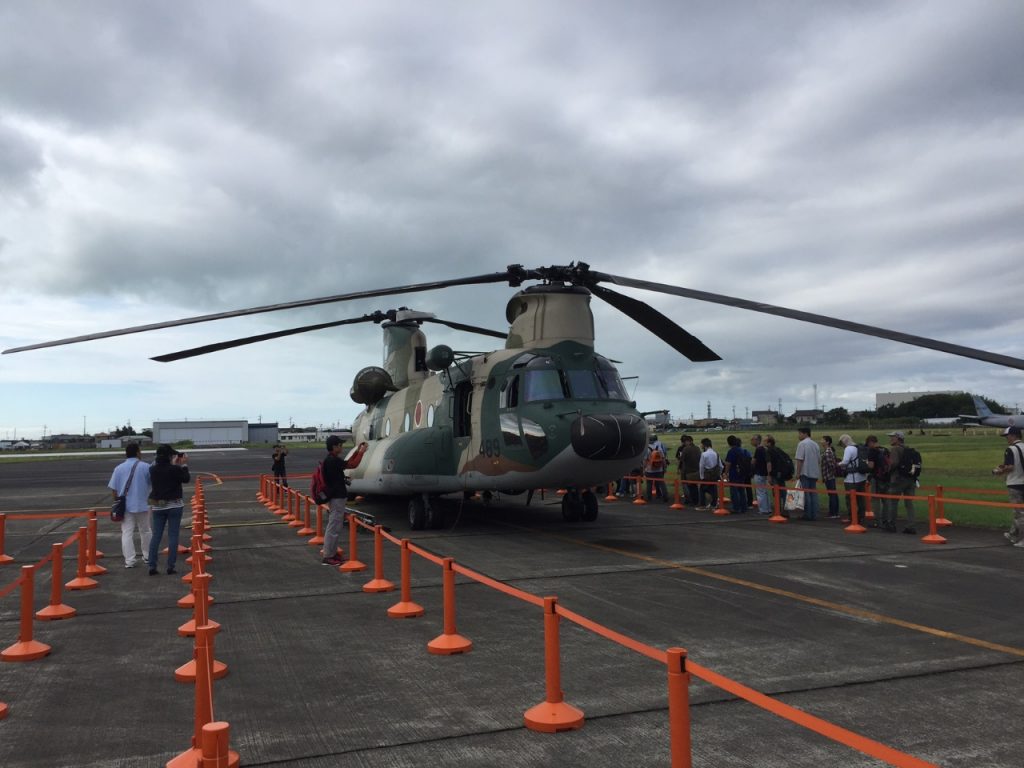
x: 264, y: 432
x: 766, y: 417
x: 809, y: 416
x: 898, y: 398
x: 68, y: 442
x: 202, y: 432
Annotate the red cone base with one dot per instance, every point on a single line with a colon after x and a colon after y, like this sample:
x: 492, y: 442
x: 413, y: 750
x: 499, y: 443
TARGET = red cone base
x: 352, y: 566
x: 408, y: 610
x: 55, y: 612
x: 5, y: 559
x: 192, y: 758
x: 95, y: 570
x: 3, y: 710
x: 83, y: 583
x: 29, y: 650
x: 447, y: 645
x: 186, y: 673
x: 189, y: 601
x: 379, y: 585
x: 552, y: 718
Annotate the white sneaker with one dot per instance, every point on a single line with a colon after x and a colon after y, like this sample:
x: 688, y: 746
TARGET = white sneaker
x: 132, y: 564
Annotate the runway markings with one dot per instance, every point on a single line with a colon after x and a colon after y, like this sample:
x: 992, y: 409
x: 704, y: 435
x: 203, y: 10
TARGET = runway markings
x: 849, y: 610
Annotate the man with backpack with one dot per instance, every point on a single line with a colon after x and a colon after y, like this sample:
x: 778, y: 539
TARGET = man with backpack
x: 878, y: 481
x: 855, y: 474
x: 780, y: 471
x: 906, y: 467
x: 336, y: 493
x: 737, y: 471
x: 688, y: 456
x: 654, y: 468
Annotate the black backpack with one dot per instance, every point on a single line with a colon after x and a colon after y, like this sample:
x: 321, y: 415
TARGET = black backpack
x: 910, y: 462
x: 882, y: 464
x: 745, y: 463
x: 859, y: 463
x: 782, y: 465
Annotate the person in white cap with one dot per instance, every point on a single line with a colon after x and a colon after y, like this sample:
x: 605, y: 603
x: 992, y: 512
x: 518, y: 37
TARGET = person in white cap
x: 1013, y: 468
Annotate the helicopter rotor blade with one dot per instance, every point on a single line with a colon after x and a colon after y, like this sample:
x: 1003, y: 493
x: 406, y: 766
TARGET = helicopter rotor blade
x: 810, y: 317
x: 467, y: 328
x: 221, y: 345
x: 494, y: 277
x: 665, y: 329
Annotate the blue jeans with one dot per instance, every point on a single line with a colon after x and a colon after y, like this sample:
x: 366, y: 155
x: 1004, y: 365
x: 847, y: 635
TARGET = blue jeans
x: 171, y: 518
x: 737, y: 497
x: 833, y: 498
x: 811, y: 497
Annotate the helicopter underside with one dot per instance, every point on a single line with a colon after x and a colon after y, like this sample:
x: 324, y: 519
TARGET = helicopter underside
x: 565, y: 470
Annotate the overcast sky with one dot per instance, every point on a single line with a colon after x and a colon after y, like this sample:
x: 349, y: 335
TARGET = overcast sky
x: 160, y: 160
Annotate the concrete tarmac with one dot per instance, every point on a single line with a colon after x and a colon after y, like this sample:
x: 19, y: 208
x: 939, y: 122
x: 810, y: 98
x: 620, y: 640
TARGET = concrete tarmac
x: 918, y: 647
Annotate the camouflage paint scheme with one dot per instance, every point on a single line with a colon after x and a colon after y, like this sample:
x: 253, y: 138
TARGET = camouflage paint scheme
x: 471, y: 427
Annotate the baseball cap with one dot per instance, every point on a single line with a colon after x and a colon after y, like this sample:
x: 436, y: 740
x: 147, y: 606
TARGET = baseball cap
x: 897, y: 433
x: 332, y: 441
x: 1015, y: 431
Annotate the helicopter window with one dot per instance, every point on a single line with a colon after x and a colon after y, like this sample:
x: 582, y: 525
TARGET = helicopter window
x: 536, y: 440
x: 387, y: 428
x: 609, y: 381
x: 543, y: 385
x: 430, y: 415
x: 407, y: 423
x: 584, y: 386
x: 510, y: 429
x: 510, y: 393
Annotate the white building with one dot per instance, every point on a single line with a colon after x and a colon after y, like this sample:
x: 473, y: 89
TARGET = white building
x: 201, y: 432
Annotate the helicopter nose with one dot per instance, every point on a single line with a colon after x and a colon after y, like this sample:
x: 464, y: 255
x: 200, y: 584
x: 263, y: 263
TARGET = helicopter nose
x: 609, y: 436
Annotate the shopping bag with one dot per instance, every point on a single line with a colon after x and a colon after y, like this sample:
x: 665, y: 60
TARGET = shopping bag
x: 795, y: 500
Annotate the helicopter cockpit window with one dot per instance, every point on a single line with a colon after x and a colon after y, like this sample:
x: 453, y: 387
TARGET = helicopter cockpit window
x: 543, y: 381
x: 509, y: 393
x: 610, y: 383
x: 510, y: 429
x: 583, y: 385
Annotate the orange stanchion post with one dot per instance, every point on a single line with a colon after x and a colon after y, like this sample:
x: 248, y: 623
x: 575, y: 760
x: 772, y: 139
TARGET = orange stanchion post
x: 200, y: 606
x: 868, y: 506
x: 639, y: 500
x: 553, y: 714
x: 854, y: 526
x: 186, y: 673
x: 92, y: 516
x: 203, y: 655
x: 378, y: 583
x: 678, y: 503
x: 352, y: 565
x: 198, y: 559
x: 940, y: 510
x: 56, y: 609
x: 679, y: 709
x: 290, y: 515
x: 3, y: 710
x: 4, y: 558
x: 279, y: 500
x: 26, y: 649
x: 777, y: 506
x: 305, y: 530
x: 720, y: 509
x: 406, y: 608
x: 215, y: 746
x: 82, y: 580
x: 91, y: 568
x: 318, y: 537
x: 611, y: 493
x: 449, y: 642
x: 933, y: 536
x: 260, y: 496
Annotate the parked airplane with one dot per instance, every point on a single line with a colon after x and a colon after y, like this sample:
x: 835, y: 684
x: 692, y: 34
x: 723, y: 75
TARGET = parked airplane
x: 985, y: 417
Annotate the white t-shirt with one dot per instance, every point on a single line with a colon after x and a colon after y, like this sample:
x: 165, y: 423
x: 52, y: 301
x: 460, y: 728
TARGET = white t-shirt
x: 849, y: 454
x: 807, y: 451
x: 138, y: 494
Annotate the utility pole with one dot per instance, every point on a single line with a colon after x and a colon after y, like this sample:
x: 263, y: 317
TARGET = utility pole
x: 815, y: 397
x: 709, y: 409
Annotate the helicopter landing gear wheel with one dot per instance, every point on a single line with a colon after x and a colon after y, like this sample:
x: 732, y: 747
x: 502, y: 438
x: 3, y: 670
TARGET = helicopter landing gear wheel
x: 572, y: 506
x: 434, y: 514
x: 417, y: 513
x: 589, y: 506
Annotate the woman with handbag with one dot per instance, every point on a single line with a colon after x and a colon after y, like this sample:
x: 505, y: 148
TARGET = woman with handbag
x: 131, y: 481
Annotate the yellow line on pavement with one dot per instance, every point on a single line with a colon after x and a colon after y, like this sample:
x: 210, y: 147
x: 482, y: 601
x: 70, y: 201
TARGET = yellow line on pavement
x: 826, y: 604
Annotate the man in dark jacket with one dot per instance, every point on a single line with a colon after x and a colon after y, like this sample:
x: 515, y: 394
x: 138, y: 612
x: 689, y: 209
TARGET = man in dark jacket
x: 165, y: 499
x: 337, y: 495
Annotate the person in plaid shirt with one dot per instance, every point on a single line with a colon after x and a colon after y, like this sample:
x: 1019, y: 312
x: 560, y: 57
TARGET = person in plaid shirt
x: 828, y: 474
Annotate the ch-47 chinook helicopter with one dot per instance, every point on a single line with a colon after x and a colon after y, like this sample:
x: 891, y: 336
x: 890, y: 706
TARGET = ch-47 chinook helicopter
x: 545, y: 411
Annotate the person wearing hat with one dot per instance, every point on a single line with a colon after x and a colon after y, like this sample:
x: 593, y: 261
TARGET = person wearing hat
x: 853, y: 482
x: 167, y: 474
x: 902, y: 482
x: 336, y: 489
x: 1013, y: 468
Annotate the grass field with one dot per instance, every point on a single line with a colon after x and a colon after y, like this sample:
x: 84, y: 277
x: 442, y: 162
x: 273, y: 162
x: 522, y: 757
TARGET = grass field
x: 959, y: 462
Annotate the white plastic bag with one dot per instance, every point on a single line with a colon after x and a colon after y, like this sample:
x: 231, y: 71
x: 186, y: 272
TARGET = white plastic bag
x: 795, y: 499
